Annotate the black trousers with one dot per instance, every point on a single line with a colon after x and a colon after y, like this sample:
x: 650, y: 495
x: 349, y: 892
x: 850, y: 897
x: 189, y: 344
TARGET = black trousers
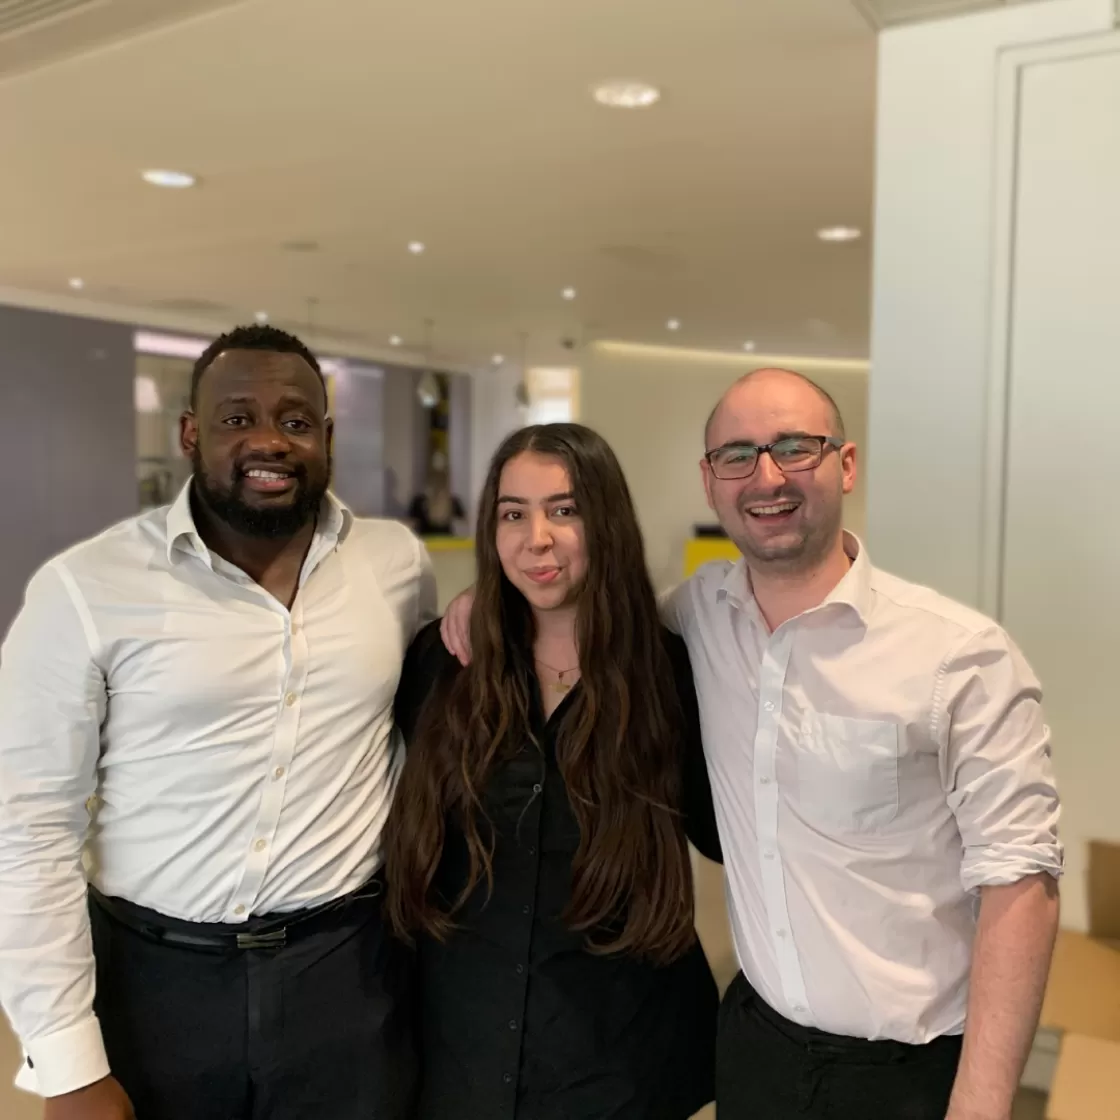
x: 768, y: 1068
x: 318, y: 1028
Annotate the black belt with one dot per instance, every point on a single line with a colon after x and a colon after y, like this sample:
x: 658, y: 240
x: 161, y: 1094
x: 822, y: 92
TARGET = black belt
x: 265, y: 932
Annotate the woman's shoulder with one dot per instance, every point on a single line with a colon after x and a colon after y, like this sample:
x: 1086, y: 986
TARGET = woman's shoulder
x: 427, y: 654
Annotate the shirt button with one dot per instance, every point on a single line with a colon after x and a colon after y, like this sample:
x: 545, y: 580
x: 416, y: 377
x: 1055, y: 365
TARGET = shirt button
x: 763, y: 781
x: 278, y: 773
x: 537, y: 788
x: 799, y: 1009
x: 507, y: 1078
x: 769, y: 853
x: 290, y: 699
x: 769, y: 705
x: 532, y: 851
x: 526, y: 909
x: 513, y: 1024
x: 259, y: 846
x: 239, y: 909
x: 783, y: 934
x: 520, y: 970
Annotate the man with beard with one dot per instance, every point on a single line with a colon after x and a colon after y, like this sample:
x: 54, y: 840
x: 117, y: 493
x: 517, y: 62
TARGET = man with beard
x: 196, y: 761
x: 884, y: 793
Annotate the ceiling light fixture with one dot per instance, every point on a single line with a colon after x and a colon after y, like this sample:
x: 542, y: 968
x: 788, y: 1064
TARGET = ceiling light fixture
x: 568, y: 293
x: 416, y: 247
x: 839, y: 233
x: 395, y: 340
x: 624, y: 94
x: 261, y: 318
x: 77, y: 283
x: 749, y: 347
x: 174, y: 180
x: 674, y: 324
x: 498, y: 359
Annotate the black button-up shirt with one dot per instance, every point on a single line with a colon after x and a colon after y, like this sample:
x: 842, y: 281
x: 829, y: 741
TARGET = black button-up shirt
x: 519, y: 1021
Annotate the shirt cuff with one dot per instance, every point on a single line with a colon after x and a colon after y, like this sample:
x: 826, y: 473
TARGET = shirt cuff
x: 65, y: 1061
x: 1004, y: 864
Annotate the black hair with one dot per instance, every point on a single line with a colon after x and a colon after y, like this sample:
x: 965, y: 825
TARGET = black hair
x: 257, y: 337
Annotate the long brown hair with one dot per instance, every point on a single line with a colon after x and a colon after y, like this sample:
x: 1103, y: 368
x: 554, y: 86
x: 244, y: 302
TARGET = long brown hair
x: 618, y: 747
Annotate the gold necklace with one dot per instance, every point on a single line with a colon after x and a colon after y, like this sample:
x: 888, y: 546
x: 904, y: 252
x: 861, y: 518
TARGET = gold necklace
x: 560, y: 685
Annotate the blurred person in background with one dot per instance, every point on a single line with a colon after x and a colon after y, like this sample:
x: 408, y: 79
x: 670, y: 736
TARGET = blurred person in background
x: 215, y: 678
x: 536, y: 851
x: 884, y: 790
x: 436, y: 511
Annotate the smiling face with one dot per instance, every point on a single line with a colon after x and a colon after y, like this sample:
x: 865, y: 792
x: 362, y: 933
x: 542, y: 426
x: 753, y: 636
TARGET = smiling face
x: 539, y: 535
x: 781, y: 521
x: 259, y: 442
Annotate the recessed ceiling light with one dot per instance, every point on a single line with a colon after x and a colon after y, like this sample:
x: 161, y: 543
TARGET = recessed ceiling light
x: 416, y: 247
x: 674, y: 324
x: 626, y: 94
x: 839, y: 233
x: 749, y: 347
x: 568, y: 293
x: 176, y: 180
x: 77, y: 283
x: 261, y: 317
x: 498, y: 359
x: 396, y: 340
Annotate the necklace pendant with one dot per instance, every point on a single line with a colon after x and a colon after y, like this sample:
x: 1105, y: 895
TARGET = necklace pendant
x: 561, y: 686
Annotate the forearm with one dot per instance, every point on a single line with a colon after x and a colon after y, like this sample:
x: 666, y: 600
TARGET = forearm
x: 1011, y: 960
x: 46, y: 958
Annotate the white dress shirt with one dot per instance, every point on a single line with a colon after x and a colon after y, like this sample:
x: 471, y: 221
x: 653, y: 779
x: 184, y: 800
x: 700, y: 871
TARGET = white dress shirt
x: 874, y: 762
x: 210, y: 753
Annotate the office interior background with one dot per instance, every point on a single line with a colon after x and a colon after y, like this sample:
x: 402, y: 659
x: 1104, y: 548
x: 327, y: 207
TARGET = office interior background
x: 488, y: 213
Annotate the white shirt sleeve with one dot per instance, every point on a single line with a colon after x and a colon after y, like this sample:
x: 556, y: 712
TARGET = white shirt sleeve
x: 428, y: 603
x: 52, y: 703
x: 999, y: 774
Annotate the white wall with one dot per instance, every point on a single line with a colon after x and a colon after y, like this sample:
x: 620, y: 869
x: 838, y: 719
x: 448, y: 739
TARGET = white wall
x: 995, y: 337
x: 935, y: 242
x: 651, y: 403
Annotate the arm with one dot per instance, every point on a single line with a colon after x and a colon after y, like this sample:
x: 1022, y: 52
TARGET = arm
x: 52, y: 703
x: 696, y: 790
x: 1011, y: 958
x: 1001, y: 788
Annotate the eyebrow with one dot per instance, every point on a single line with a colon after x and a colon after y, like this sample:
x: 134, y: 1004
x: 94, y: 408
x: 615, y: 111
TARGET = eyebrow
x: 511, y: 500
x: 289, y: 401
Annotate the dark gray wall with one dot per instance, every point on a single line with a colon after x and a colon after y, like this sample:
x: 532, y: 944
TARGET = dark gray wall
x: 359, y: 439
x: 68, y: 453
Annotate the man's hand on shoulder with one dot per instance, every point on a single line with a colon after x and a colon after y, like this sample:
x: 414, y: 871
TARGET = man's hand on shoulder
x: 455, y: 628
x: 103, y: 1100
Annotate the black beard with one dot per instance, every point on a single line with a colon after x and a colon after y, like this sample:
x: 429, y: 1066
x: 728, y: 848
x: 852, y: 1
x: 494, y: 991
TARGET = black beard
x: 227, y: 504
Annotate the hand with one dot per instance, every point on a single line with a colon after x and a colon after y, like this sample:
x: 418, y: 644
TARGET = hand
x: 455, y: 628
x: 103, y: 1100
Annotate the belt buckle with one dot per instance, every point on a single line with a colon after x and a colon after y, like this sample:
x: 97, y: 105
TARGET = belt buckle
x: 276, y: 939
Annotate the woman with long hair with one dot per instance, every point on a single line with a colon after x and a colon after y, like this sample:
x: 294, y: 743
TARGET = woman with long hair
x: 536, y: 849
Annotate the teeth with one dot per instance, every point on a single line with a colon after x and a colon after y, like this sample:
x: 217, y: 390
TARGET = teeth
x: 769, y: 511
x: 270, y: 475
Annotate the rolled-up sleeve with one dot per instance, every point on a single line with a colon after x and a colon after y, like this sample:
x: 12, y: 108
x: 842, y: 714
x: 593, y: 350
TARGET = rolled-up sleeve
x: 52, y: 703
x: 997, y: 767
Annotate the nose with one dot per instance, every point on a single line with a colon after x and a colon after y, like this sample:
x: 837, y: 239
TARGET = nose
x: 268, y: 439
x: 768, y: 473
x: 540, y: 532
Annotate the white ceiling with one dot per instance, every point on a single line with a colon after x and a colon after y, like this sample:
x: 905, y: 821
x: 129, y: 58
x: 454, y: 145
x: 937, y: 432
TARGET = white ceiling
x: 358, y: 125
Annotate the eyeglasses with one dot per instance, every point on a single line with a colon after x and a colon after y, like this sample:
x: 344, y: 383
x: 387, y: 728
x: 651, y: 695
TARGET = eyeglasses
x: 798, y: 453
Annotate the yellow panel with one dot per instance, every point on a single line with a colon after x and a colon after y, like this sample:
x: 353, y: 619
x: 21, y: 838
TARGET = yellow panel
x: 701, y: 550
x: 448, y: 544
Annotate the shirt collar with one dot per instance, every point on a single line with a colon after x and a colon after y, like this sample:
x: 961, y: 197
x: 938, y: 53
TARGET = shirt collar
x: 853, y: 591
x: 335, y: 523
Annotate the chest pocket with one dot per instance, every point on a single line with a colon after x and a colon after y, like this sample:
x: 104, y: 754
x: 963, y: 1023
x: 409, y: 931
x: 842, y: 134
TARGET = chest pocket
x: 847, y: 772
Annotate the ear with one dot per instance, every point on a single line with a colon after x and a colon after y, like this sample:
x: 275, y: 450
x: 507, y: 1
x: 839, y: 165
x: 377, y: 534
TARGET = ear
x: 708, y: 478
x: 849, y: 466
x: 188, y: 433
